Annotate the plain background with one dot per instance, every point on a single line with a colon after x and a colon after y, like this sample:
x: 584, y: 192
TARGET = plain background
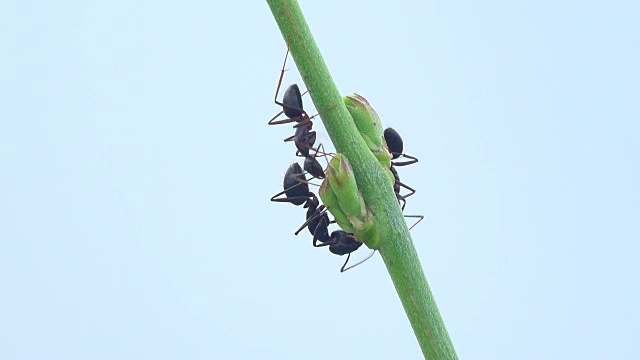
x: 136, y: 167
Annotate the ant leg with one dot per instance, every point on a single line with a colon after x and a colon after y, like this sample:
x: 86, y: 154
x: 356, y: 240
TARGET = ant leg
x: 319, y: 212
x: 412, y: 190
x: 304, y: 117
x: 284, y: 121
x: 404, y: 163
x: 345, y: 263
x: 315, y: 242
x: 314, y: 157
x: 401, y: 198
x: 307, y: 120
x: 324, y: 111
x: 275, y: 98
x: 343, y: 269
x: 417, y: 222
x: 316, y: 150
x: 322, y: 153
x: 292, y: 199
x: 322, y: 226
x: 304, y: 120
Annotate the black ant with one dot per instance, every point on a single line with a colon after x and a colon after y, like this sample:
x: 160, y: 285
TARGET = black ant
x: 291, y: 102
x: 296, y: 189
x: 396, y: 146
x: 339, y: 242
x: 304, y: 140
x: 304, y: 137
x: 294, y: 111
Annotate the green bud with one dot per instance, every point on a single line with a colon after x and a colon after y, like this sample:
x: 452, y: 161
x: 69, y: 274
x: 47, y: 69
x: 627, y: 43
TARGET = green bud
x: 368, y: 123
x: 343, y: 184
x: 331, y: 202
x: 340, y: 194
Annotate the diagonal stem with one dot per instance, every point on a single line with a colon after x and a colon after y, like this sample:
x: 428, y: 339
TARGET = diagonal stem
x: 397, y: 250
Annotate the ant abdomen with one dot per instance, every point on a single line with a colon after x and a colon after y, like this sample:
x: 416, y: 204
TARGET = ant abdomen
x: 292, y: 102
x: 394, y: 142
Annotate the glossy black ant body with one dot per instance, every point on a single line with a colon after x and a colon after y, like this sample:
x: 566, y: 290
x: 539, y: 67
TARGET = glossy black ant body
x: 304, y: 137
x: 396, y: 147
x: 296, y: 191
x: 296, y: 187
x: 315, y: 213
x: 291, y: 106
x: 339, y: 242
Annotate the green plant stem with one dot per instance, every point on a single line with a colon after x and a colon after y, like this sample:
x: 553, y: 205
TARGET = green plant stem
x: 396, y: 248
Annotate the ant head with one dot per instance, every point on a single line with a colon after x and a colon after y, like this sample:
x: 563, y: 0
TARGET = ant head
x: 292, y: 100
x: 313, y: 167
x: 295, y: 184
x: 394, y: 142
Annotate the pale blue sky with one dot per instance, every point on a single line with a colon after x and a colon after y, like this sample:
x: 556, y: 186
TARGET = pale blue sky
x: 137, y: 166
